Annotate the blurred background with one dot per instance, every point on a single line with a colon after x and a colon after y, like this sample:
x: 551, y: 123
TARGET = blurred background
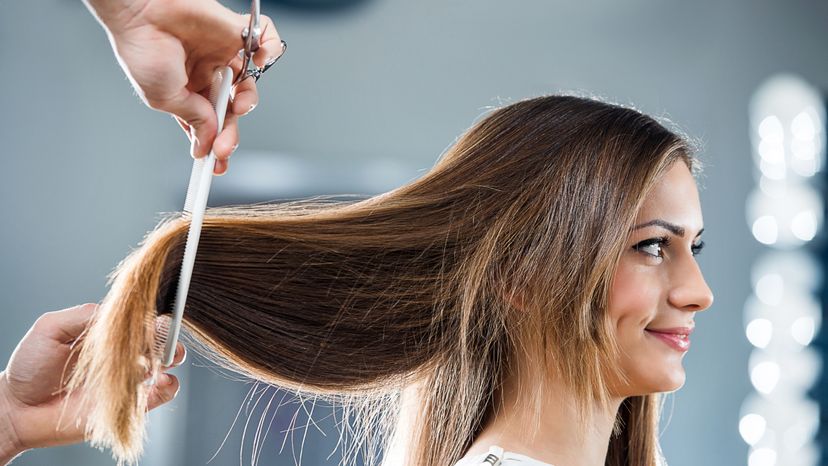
x: 368, y: 96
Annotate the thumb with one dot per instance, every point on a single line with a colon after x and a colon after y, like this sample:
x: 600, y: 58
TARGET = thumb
x: 197, y: 111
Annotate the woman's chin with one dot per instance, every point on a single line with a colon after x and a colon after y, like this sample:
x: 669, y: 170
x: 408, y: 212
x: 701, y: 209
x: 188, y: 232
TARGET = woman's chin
x: 672, y: 380
x: 667, y: 379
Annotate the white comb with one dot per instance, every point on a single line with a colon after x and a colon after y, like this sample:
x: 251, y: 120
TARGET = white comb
x: 195, y: 204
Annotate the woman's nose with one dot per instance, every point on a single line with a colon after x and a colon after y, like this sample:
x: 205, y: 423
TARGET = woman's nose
x: 690, y: 291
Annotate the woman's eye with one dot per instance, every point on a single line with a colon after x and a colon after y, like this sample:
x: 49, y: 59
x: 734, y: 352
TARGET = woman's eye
x: 652, y: 247
x: 655, y: 247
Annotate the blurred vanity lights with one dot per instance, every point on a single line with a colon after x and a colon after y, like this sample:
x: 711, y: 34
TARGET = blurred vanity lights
x: 799, y: 270
x: 787, y: 326
x: 786, y: 376
x: 788, y: 217
x: 785, y: 212
x: 788, y: 117
x: 803, y: 146
x: 785, y: 428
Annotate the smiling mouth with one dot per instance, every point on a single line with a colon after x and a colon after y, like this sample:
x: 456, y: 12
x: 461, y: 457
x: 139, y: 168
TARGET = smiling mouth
x: 673, y: 338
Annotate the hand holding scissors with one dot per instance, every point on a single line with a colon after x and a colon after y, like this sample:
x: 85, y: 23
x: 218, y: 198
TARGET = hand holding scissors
x: 169, y: 49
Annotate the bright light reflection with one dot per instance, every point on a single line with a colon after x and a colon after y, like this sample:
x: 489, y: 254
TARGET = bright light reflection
x: 803, y: 330
x: 752, y: 428
x: 765, y: 376
x: 803, y: 149
x: 772, y: 170
x: 803, y: 127
x: 770, y: 289
x: 799, y: 268
x: 772, y: 151
x: 804, y: 167
x: 765, y: 229
x: 770, y: 129
x: 759, y: 332
x: 804, y: 225
x: 762, y: 457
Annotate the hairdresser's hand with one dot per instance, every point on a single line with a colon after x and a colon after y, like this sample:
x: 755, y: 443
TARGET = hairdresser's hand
x: 32, y: 387
x: 169, y: 49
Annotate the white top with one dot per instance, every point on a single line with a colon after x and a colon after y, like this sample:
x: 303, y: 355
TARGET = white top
x: 497, y: 457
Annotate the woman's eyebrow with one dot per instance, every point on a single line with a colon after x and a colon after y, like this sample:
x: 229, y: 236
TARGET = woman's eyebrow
x: 671, y: 227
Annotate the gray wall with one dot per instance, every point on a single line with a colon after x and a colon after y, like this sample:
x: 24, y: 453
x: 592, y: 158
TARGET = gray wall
x: 378, y: 92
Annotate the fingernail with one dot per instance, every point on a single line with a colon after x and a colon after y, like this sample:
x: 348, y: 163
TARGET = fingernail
x: 194, y: 147
x: 252, y: 106
x: 164, y: 380
x: 236, y: 146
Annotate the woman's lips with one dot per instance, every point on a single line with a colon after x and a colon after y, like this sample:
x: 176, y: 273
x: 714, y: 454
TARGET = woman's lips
x: 678, y: 339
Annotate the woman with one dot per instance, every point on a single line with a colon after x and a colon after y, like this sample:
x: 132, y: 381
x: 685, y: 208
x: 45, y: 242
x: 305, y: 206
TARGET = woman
x: 656, y: 290
x: 535, y: 291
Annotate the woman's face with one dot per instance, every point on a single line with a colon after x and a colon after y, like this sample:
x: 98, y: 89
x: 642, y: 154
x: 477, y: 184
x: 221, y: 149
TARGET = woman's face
x: 658, y: 286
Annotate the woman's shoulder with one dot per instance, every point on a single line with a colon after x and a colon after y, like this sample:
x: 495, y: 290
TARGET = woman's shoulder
x: 498, y: 457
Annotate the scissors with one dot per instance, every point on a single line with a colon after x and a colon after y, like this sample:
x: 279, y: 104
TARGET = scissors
x: 252, y: 36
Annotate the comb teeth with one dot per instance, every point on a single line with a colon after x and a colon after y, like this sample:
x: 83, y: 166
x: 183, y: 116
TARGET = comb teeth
x: 162, y: 332
x: 195, y: 204
x: 192, y: 188
x: 215, y: 88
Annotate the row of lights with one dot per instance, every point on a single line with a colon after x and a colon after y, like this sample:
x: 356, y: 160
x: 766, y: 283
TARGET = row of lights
x: 785, y: 212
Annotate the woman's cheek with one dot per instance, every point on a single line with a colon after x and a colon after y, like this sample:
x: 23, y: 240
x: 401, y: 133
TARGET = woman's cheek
x: 634, y: 294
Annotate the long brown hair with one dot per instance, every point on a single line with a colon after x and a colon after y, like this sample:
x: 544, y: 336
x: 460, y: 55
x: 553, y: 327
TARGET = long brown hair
x: 358, y: 300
